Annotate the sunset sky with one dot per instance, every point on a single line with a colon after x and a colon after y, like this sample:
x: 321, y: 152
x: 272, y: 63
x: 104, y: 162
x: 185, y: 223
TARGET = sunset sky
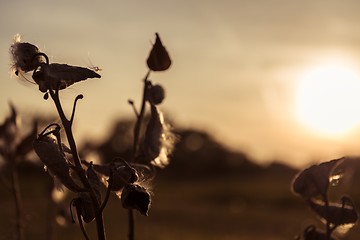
x: 237, y: 67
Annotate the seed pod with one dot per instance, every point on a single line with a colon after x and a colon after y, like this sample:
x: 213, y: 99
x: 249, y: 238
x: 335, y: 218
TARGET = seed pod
x: 85, y: 207
x: 159, y: 59
x: 314, y: 181
x: 153, y: 135
x: 337, y: 214
x: 122, y: 174
x: 25, y: 146
x: 24, y: 56
x: 136, y: 197
x: 156, y: 94
x: 55, y: 75
x: 49, y: 153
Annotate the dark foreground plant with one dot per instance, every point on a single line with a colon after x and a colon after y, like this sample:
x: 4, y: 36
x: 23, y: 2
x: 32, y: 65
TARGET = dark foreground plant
x: 312, y: 184
x: 13, y: 150
x: 128, y: 178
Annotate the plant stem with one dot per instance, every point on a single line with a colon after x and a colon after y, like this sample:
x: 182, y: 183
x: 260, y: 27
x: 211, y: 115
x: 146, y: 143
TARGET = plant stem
x: 131, y: 233
x: 18, y: 204
x: 67, y: 124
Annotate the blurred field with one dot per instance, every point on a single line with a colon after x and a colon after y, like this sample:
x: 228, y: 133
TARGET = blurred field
x: 216, y: 207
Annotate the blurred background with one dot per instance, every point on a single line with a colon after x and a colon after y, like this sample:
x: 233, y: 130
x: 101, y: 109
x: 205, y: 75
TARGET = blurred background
x: 256, y: 90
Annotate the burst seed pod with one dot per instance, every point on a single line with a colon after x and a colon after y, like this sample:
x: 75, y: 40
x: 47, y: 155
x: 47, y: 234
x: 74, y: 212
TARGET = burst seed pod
x: 156, y: 94
x: 136, y: 197
x: 315, y: 180
x: 122, y: 174
x: 49, y: 153
x: 153, y: 135
x: 159, y: 59
x: 25, y: 56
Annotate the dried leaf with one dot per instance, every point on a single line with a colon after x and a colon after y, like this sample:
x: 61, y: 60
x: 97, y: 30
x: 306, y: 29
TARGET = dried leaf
x: 51, y: 76
x: 94, y: 181
x: 159, y: 59
x: 314, y: 181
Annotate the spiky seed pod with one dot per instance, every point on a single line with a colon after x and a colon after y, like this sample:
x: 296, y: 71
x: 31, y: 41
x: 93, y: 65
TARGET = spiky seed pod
x: 49, y: 153
x: 156, y: 94
x: 55, y: 75
x: 136, y: 197
x: 85, y: 207
x: 24, y: 56
x: 159, y: 59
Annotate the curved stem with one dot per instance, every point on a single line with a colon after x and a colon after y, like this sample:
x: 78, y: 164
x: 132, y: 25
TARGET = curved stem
x: 78, y: 97
x: 67, y: 124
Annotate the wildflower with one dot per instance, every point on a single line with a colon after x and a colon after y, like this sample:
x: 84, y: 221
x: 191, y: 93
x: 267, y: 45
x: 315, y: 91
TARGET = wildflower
x: 25, y: 56
x: 159, y: 59
x: 136, y: 197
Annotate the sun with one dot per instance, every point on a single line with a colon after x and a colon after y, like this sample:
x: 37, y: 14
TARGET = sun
x: 327, y: 99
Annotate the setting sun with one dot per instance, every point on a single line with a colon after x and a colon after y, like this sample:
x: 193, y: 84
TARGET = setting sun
x: 328, y: 99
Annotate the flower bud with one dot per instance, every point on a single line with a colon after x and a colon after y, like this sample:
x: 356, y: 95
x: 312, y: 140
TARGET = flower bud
x: 136, y: 197
x: 159, y: 59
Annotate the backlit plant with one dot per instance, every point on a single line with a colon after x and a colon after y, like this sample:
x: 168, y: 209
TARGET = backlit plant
x: 128, y: 178
x: 313, y: 184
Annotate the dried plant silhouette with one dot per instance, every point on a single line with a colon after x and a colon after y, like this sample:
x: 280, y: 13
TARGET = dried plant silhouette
x: 129, y: 178
x: 313, y: 185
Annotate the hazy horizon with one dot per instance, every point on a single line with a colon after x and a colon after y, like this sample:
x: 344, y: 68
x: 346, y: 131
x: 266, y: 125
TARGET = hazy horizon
x: 236, y: 66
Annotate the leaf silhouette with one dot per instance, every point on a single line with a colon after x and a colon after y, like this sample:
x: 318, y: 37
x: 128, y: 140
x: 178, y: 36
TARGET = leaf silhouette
x: 51, y: 76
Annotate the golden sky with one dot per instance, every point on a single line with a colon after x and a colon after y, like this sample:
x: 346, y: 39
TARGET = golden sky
x: 236, y: 65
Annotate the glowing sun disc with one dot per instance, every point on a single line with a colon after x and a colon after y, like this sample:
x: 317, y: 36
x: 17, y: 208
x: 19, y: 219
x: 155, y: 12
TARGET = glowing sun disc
x: 328, y: 99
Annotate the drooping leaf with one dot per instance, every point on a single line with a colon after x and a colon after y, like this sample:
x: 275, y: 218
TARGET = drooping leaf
x: 159, y: 59
x: 314, y: 181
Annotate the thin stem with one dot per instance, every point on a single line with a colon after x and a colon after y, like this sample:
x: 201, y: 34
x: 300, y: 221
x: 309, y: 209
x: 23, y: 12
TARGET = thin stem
x: 131, y: 233
x: 18, y: 204
x: 111, y: 177
x: 78, y: 213
x: 78, y: 97
x: 137, y: 128
x: 78, y: 167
